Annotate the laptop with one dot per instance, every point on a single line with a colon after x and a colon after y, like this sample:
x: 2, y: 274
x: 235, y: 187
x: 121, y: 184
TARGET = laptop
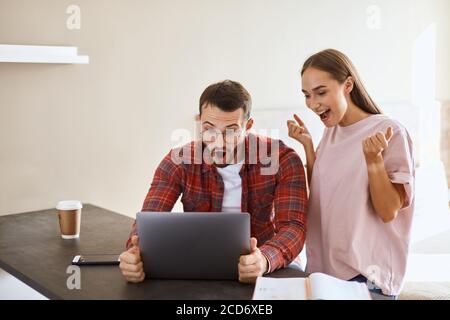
x: 193, y: 245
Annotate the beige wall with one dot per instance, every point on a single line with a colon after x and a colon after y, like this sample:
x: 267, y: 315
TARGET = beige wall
x: 96, y: 132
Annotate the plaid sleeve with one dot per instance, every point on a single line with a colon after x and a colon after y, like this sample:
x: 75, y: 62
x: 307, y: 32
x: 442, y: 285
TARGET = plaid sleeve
x: 164, y: 190
x: 290, y: 206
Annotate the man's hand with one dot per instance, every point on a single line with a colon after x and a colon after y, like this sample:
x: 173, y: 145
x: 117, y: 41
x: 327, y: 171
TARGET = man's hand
x: 130, y: 263
x: 253, y: 265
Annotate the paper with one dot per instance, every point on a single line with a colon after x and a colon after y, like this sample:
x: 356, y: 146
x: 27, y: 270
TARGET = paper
x: 322, y: 287
x: 280, y: 289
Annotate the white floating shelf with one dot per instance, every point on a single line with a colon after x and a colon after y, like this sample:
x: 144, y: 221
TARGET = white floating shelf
x: 41, y: 54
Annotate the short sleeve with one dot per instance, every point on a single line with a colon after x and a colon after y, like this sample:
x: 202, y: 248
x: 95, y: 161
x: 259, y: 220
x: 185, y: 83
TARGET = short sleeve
x: 399, y: 162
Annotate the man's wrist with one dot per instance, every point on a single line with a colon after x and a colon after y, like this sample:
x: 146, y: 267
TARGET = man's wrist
x: 266, y: 264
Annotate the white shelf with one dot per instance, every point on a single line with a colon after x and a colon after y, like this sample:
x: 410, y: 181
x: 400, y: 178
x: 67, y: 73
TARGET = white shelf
x: 41, y: 54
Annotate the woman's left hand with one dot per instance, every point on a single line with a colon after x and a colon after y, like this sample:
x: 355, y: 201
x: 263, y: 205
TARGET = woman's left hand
x: 374, y: 145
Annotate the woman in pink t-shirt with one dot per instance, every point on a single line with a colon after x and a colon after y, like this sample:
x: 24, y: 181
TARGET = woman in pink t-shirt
x: 361, y: 179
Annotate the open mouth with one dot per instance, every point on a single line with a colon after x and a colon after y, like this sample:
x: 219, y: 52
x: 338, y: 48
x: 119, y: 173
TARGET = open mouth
x: 219, y: 153
x: 324, y: 115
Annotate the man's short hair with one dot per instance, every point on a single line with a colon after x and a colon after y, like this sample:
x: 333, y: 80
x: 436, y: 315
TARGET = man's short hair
x: 228, y: 96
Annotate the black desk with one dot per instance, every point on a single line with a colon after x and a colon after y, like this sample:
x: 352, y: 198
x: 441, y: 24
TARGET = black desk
x: 32, y: 250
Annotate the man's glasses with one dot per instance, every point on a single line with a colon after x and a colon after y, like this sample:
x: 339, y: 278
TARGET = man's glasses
x: 229, y: 135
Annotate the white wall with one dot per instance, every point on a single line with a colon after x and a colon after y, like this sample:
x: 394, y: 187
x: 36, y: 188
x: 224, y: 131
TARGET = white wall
x: 96, y: 132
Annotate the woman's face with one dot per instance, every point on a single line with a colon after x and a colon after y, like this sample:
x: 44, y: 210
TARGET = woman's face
x: 325, y: 96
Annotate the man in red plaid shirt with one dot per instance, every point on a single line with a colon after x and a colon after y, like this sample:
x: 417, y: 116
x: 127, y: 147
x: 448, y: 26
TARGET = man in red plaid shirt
x: 232, y: 170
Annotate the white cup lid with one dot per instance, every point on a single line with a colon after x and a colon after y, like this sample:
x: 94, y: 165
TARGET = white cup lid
x: 69, y: 205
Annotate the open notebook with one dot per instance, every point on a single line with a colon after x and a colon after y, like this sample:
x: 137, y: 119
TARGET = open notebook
x: 317, y: 286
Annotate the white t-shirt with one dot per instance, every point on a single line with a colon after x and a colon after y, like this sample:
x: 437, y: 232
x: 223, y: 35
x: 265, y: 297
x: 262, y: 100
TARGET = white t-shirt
x: 232, y: 187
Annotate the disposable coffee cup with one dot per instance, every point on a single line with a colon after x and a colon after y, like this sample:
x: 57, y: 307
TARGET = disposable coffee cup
x: 69, y: 214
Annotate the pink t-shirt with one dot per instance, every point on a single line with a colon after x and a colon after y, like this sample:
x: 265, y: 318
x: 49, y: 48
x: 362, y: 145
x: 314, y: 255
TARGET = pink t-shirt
x: 345, y: 237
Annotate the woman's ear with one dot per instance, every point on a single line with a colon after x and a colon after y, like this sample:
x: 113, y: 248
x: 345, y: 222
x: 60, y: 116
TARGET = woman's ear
x: 348, y: 86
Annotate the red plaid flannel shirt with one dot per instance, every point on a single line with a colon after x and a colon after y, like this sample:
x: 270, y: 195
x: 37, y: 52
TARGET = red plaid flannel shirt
x: 277, y: 203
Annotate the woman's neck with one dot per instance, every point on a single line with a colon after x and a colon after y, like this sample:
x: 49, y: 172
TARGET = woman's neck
x: 353, y: 115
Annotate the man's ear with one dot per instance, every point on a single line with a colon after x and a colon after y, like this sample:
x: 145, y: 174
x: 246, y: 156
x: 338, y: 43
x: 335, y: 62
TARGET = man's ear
x: 249, y: 124
x: 197, y: 117
x: 349, y: 82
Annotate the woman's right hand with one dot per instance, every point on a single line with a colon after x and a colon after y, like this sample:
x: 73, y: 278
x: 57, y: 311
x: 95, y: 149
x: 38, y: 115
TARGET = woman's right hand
x: 299, y: 132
